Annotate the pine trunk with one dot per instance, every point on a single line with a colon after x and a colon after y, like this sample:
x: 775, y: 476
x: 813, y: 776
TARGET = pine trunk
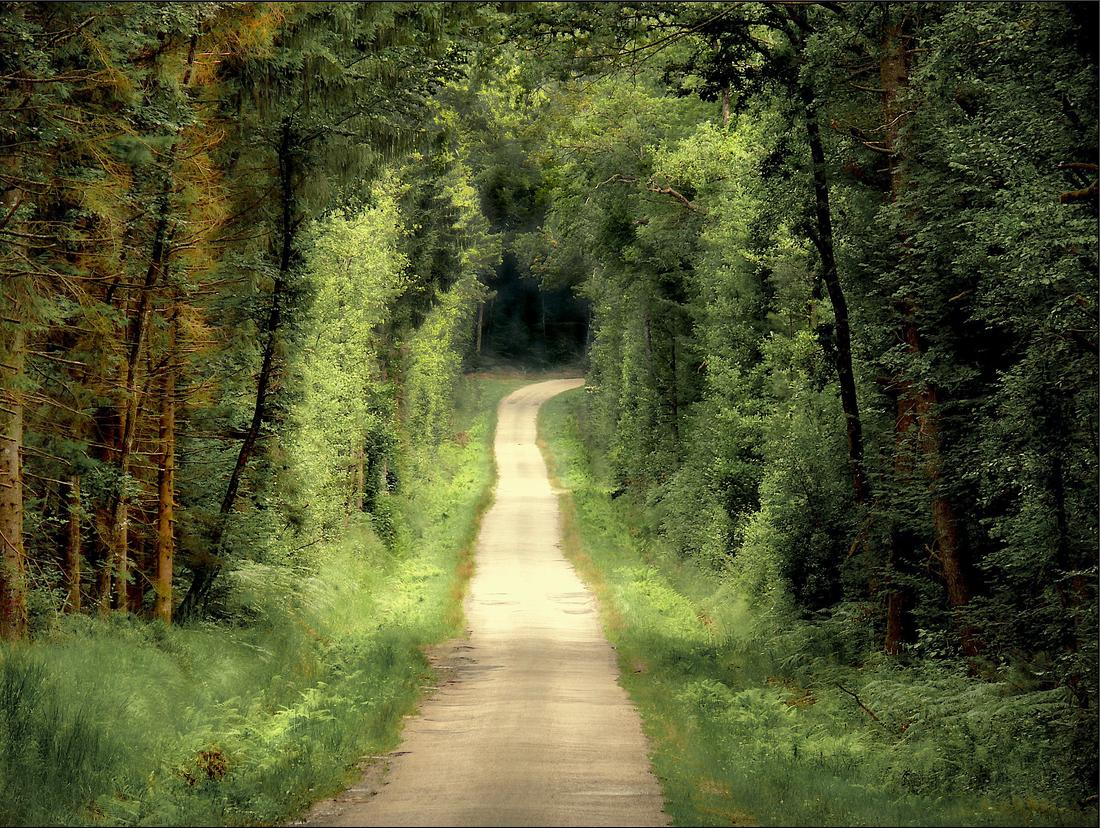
x: 206, y: 572
x: 166, y: 485
x: 921, y: 400
x: 131, y: 404
x: 139, y: 564
x: 13, y: 576
x: 73, y: 557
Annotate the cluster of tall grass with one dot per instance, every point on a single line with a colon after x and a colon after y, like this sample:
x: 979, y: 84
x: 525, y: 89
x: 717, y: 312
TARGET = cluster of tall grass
x: 250, y: 719
x: 759, y: 717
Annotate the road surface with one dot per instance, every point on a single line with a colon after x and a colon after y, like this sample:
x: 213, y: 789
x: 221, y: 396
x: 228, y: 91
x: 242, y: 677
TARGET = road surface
x: 530, y: 725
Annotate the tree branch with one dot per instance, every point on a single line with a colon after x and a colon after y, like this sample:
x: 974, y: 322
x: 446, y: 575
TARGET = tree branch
x: 683, y: 199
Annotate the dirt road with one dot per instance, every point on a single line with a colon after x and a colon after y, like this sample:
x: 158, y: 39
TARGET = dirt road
x: 530, y: 726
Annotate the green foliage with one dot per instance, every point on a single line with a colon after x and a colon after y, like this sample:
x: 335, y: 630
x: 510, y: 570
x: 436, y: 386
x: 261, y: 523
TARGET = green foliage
x: 347, y: 408
x: 751, y: 714
x: 684, y: 197
x: 278, y: 229
x: 122, y: 722
x: 452, y: 248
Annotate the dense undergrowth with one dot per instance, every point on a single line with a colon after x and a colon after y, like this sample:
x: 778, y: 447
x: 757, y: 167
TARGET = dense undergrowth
x: 757, y: 718
x: 249, y: 720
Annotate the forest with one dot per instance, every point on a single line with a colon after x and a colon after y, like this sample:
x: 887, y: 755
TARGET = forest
x: 829, y: 270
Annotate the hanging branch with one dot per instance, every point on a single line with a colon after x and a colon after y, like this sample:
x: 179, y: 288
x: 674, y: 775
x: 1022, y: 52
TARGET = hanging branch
x: 1083, y: 193
x: 863, y: 707
x: 653, y: 187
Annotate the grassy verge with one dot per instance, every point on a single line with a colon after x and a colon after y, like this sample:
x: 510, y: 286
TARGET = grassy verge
x: 741, y: 735
x: 125, y: 722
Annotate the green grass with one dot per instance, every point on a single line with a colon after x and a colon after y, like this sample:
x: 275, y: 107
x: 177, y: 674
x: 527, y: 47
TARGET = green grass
x: 746, y: 728
x: 126, y: 722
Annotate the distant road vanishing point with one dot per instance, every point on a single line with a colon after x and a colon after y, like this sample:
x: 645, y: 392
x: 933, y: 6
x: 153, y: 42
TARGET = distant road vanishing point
x: 531, y: 726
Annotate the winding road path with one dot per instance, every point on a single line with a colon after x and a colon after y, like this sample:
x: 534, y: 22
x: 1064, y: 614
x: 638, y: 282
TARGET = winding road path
x: 531, y: 727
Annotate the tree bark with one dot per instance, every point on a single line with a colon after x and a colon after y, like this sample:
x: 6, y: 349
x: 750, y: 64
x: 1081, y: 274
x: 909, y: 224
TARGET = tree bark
x: 129, y: 411
x: 13, y: 576
x: 13, y: 584
x: 73, y: 558
x: 135, y: 589
x: 480, y: 324
x: 920, y: 400
x: 131, y: 403
x: 207, y: 571
x: 895, y: 621
x: 896, y: 598
x: 166, y: 484
x: 823, y: 240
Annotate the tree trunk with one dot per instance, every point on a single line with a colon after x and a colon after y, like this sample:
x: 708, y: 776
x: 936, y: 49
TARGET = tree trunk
x: 944, y: 522
x: 118, y: 533
x: 131, y: 405
x: 106, y: 564
x: 13, y: 576
x: 895, y: 621
x: 207, y: 571
x: 900, y: 542
x: 360, y: 476
x: 73, y: 548
x: 921, y: 400
x: 166, y: 484
x: 849, y: 402
x: 823, y: 240
x: 674, y: 395
x: 480, y: 324
x: 105, y: 450
x: 135, y: 589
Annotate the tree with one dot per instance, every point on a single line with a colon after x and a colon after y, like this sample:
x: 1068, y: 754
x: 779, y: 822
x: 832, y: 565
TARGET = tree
x: 326, y: 101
